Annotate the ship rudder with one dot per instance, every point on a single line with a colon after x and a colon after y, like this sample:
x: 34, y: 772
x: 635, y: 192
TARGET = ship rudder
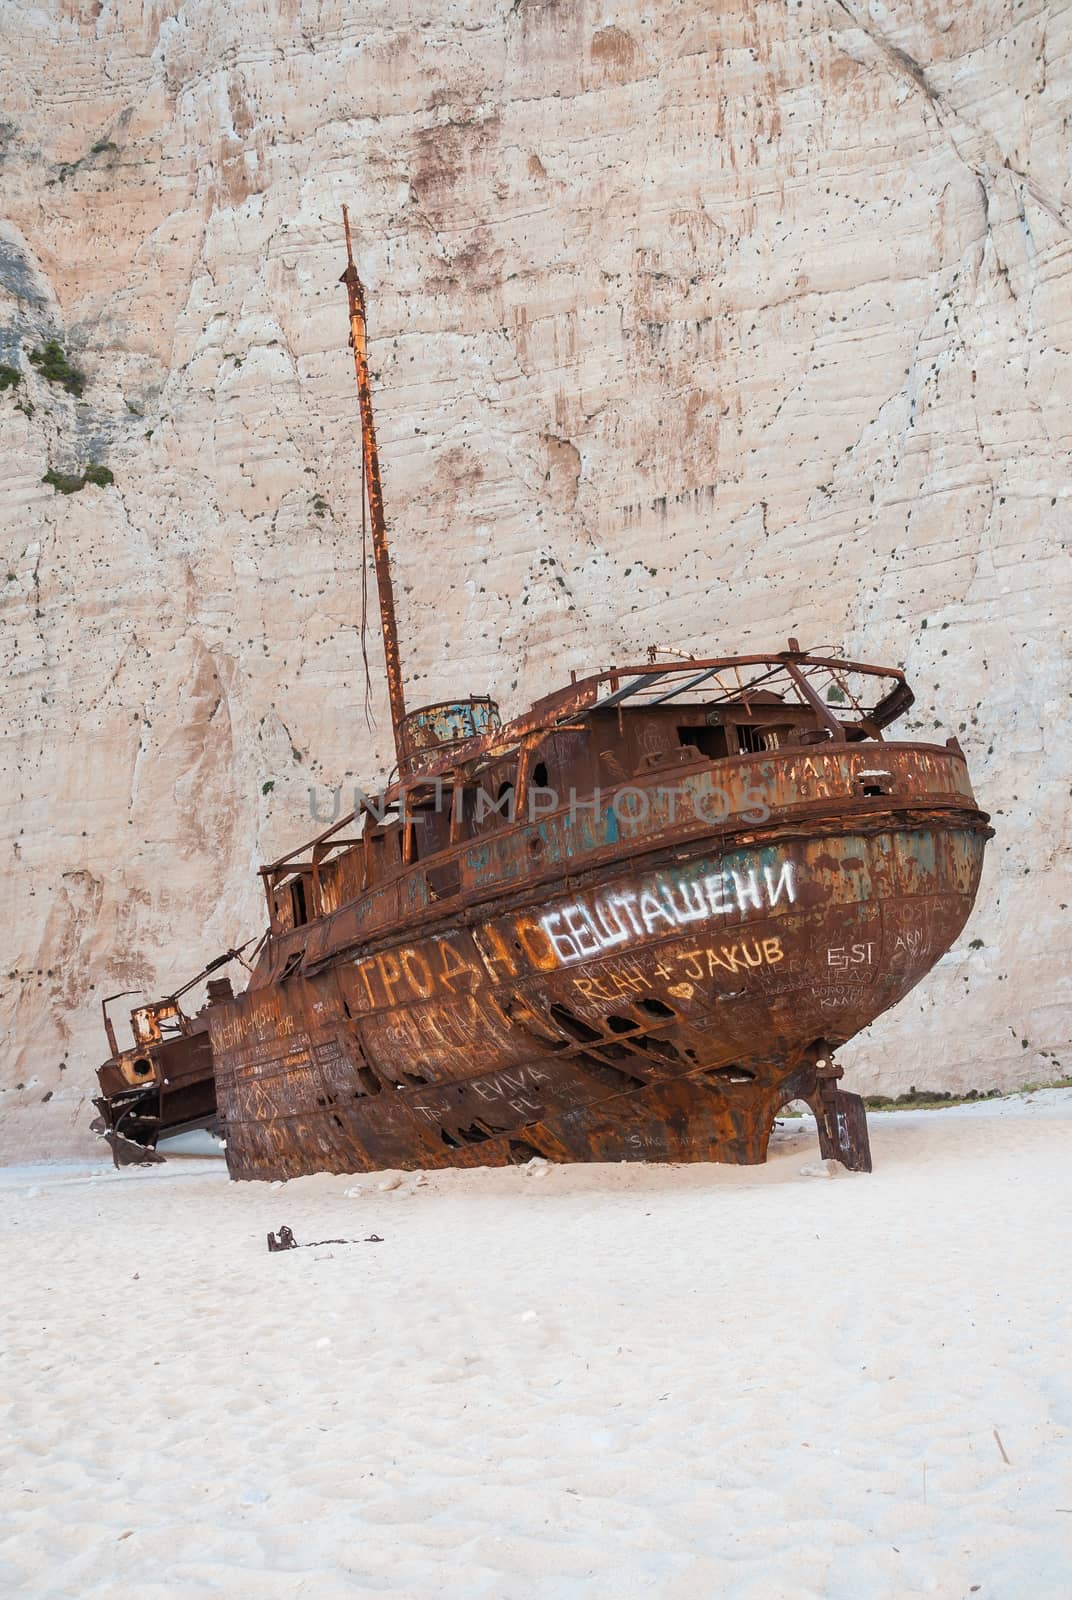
x: 841, y: 1119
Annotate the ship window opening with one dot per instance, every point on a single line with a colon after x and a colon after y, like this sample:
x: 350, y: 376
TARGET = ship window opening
x: 292, y: 963
x: 602, y: 1071
x: 583, y: 1032
x: 731, y: 1074
x: 664, y: 1049
x: 873, y: 789
x: 752, y: 740
x: 539, y: 775
x: 368, y: 1080
x: 143, y: 1066
x: 615, y: 1052
x: 710, y: 742
x: 297, y: 900
x: 476, y: 1133
x: 521, y: 1151
x: 444, y: 880
x: 656, y: 1008
x: 618, y: 1024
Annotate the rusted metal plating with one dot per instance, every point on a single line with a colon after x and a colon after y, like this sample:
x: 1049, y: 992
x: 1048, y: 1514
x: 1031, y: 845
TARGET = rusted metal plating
x: 630, y: 924
x: 657, y: 997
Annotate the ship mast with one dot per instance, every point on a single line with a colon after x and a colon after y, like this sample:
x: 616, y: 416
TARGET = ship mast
x: 374, y: 489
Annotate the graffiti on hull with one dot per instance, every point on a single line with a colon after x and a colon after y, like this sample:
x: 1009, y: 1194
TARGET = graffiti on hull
x: 670, y: 902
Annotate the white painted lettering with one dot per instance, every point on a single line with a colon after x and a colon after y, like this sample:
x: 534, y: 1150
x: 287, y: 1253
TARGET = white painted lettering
x: 562, y: 944
x: 692, y: 906
x: 607, y: 934
x: 652, y: 911
x: 716, y: 893
x: 786, y: 880
x: 747, y: 890
x: 583, y: 929
x: 579, y: 927
x: 627, y: 902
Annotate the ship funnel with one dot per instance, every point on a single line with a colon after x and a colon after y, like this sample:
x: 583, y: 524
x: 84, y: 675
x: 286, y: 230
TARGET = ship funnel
x: 427, y: 732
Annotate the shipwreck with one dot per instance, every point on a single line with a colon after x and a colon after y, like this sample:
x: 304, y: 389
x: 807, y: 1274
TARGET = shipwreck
x: 631, y: 923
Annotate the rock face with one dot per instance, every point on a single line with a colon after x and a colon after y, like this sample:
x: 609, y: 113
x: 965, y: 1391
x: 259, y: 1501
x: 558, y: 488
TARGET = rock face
x: 692, y: 330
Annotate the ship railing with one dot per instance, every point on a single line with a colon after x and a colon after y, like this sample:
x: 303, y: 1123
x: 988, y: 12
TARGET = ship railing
x: 831, y: 686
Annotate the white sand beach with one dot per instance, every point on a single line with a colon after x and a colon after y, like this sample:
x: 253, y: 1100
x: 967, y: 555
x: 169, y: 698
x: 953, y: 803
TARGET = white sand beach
x: 764, y: 1384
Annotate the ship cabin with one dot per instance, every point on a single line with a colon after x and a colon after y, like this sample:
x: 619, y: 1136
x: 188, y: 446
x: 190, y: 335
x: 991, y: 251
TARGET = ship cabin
x: 481, y: 803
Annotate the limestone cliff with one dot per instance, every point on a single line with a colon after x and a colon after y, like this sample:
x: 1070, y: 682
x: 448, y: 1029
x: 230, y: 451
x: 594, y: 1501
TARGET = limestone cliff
x: 694, y: 325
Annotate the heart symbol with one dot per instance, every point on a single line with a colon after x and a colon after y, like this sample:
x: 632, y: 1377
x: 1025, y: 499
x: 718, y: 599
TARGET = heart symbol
x: 681, y: 991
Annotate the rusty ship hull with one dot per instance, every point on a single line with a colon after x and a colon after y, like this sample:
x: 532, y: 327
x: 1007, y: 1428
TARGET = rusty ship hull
x: 630, y: 924
x: 663, y: 1008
